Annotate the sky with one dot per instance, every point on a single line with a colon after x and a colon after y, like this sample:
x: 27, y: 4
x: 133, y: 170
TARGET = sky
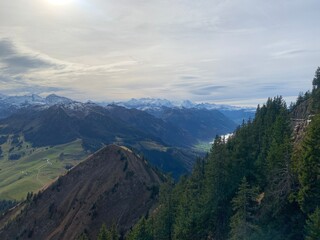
x: 237, y: 52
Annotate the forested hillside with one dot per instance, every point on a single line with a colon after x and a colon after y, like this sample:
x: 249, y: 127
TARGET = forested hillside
x: 262, y: 183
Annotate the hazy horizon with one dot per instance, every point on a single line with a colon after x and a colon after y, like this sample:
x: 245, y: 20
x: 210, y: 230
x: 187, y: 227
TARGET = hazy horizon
x: 226, y: 52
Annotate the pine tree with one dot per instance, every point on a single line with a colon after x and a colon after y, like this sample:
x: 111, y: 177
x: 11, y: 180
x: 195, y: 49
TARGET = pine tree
x: 83, y: 236
x: 217, y: 190
x: 316, y: 80
x: 163, y: 224
x: 141, y: 231
x: 103, y: 233
x: 243, y: 222
x: 307, y: 166
x: 189, y: 214
x: 113, y: 233
x: 313, y: 226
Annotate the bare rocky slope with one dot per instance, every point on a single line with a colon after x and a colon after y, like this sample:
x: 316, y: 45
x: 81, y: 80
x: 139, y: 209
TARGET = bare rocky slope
x: 113, y: 186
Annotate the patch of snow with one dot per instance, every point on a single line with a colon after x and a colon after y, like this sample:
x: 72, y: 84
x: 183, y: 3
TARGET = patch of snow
x: 225, y: 137
x: 156, y: 103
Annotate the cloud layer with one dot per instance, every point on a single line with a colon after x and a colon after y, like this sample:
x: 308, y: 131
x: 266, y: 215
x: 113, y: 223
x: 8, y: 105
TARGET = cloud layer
x: 238, y: 52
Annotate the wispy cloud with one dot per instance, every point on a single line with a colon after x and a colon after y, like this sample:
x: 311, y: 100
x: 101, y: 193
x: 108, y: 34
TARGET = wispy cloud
x: 208, y: 90
x: 15, y: 61
x: 208, y: 50
x: 293, y: 53
x: 26, y: 71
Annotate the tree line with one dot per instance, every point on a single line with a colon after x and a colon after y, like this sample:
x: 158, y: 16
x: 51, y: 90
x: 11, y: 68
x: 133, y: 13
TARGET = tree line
x: 260, y: 184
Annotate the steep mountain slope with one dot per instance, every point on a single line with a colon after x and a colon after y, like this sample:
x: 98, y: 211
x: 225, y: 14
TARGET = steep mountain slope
x: 261, y: 183
x: 202, y: 124
x: 12, y: 104
x: 64, y: 123
x: 171, y: 133
x: 113, y: 186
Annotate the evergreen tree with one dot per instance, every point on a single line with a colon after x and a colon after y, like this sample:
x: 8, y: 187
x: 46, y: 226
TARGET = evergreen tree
x: 83, y: 236
x: 217, y: 191
x: 313, y: 226
x: 211, y: 204
x: 307, y: 166
x: 244, y: 205
x: 278, y: 171
x: 189, y: 213
x: 163, y: 224
x: 103, y: 233
x: 316, y: 79
x: 113, y: 233
x: 141, y: 231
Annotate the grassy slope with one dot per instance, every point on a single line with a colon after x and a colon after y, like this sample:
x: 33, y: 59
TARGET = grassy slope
x: 202, y: 146
x: 36, y: 168
x: 39, y: 166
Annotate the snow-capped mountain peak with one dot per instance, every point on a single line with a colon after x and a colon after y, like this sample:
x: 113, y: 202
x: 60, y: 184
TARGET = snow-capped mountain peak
x: 32, y: 99
x: 146, y: 103
x: 156, y: 103
x: 53, y: 99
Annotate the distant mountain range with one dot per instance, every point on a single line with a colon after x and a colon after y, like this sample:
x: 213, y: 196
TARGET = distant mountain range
x: 161, y: 139
x: 165, y: 133
x: 10, y: 104
x: 34, y: 99
x: 152, y: 103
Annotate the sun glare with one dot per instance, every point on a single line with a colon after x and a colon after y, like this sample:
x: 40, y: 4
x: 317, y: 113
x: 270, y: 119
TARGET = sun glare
x: 59, y: 2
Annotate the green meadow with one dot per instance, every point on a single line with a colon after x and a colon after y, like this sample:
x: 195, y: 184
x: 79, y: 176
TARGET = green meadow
x: 35, y: 167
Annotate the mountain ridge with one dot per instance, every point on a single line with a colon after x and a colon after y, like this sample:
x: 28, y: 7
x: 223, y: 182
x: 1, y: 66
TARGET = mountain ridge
x: 94, y: 192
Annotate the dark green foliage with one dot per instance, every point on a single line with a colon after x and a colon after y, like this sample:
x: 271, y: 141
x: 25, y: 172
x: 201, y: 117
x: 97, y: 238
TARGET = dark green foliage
x: 83, y: 236
x: 163, y: 224
x: 261, y: 184
x: 313, y: 226
x: 217, y: 191
x: 113, y: 233
x: 316, y: 80
x: 190, y: 208
x: 307, y: 167
x: 209, y: 204
x: 29, y: 196
x: 141, y: 231
x: 244, y: 205
x: 154, y: 191
x: 105, y: 234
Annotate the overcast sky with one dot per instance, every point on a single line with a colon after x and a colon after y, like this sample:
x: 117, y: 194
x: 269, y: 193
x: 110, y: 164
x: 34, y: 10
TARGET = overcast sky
x: 224, y: 51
